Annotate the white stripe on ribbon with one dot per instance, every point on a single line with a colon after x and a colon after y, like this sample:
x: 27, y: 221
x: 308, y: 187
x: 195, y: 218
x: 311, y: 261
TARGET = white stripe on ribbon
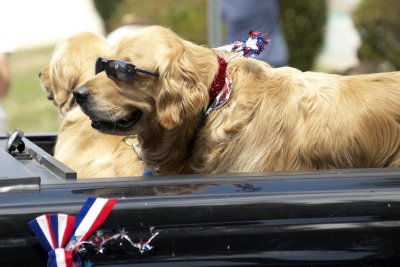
x: 42, y: 222
x: 90, y: 218
x: 60, y: 257
x: 62, y: 225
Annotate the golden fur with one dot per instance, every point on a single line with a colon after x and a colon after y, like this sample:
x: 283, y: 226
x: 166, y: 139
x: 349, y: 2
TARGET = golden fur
x: 85, y: 150
x: 277, y: 119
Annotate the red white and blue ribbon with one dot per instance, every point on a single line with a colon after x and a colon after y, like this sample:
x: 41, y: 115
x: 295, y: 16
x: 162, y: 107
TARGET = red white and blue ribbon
x: 53, y: 230
x: 61, y: 234
x: 61, y: 257
x: 92, y: 215
x: 222, y: 97
x: 251, y: 47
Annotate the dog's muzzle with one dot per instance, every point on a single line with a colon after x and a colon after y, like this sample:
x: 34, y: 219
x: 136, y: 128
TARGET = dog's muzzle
x: 120, y: 125
x: 81, y: 95
x: 98, y: 121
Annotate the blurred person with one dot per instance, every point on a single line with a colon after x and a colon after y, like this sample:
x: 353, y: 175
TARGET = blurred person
x: 5, y: 77
x: 241, y: 16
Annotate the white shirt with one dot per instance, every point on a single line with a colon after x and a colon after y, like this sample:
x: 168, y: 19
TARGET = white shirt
x: 6, y: 42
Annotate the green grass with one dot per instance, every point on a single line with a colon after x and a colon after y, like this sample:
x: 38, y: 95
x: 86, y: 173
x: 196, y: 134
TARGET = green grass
x: 26, y: 104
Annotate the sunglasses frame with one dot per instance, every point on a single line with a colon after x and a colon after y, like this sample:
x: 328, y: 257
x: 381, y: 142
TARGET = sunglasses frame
x: 120, y: 70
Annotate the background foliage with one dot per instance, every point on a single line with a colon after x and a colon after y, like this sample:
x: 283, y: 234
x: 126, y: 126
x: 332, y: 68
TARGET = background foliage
x: 303, y: 22
x: 378, y: 23
x: 188, y: 18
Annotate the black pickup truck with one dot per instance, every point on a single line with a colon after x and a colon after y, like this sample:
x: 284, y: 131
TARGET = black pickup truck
x: 323, y: 218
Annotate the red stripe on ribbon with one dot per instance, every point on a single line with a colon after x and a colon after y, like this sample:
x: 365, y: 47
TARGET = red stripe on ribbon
x: 101, y: 217
x: 68, y: 230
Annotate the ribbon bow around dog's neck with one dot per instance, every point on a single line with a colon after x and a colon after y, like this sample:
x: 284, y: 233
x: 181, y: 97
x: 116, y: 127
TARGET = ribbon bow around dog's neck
x: 61, y: 234
x: 221, y: 88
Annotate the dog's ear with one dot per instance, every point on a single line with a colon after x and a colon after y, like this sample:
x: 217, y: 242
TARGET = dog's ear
x: 64, y: 77
x: 44, y: 77
x: 183, y: 94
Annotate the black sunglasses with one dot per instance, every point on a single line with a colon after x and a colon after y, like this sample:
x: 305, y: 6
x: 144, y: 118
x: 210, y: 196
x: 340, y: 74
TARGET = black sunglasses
x: 119, y: 70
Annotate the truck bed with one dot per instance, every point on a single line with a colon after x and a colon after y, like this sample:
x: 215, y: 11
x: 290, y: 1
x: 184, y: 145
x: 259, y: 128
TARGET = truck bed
x: 325, y: 218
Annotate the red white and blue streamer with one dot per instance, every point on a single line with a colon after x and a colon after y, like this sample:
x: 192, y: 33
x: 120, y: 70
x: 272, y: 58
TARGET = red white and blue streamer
x: 62, y: 234
x: 100, y: 240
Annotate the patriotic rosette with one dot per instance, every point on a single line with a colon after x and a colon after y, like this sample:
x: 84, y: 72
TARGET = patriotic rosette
x: 62, y: 234
x: 251, y: 47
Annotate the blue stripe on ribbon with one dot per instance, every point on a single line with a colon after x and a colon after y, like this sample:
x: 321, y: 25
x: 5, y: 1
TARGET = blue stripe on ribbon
x: 54, y: 225
x: 37, y: 230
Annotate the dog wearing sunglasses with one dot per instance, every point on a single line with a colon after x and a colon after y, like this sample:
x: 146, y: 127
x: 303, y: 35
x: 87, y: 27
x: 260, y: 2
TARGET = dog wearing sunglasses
x: 270, y: 119
x: 87, y: 151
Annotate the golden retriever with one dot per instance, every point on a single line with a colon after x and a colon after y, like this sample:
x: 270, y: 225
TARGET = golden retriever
x: 277, y: 119
x: 90, y: 153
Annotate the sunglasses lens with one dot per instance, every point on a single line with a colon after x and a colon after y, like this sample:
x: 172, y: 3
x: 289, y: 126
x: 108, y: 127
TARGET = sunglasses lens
x: 100, y: 65
x: 124, y: 71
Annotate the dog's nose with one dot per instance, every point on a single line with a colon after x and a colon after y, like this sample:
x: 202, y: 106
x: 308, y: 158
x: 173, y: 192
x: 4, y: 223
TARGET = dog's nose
x: 81, y: 94
x: 40, y: 74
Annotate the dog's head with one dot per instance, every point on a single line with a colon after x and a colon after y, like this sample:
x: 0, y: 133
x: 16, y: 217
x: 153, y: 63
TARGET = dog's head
x: 71, y: 64
x: 170, y: 89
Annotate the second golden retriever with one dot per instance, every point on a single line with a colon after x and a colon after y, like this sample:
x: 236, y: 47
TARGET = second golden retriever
x: 276, y: 119
x: 90, y: 153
